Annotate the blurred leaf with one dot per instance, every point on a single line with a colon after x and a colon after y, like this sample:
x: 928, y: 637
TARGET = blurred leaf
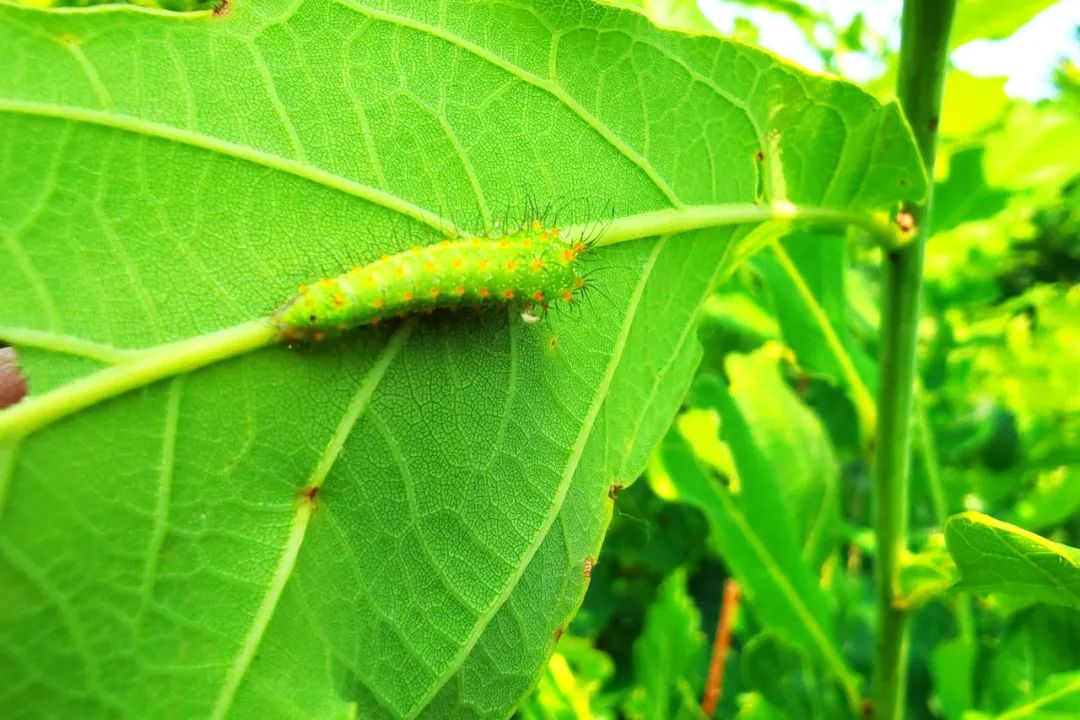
x: 972, y: 104
x: 750, y: 526
x: 754, y: 706
x: 1036, y: 148
x: 951, y: 664
x: 964, y: 196
x: 670, y: 656
x: 1057, y: 698
x: 1054, y: 499
x: 790, y: 681
x: 1034, y: 644
x: 926, y: 575
x: 793, y: 444
x: 994, y: 556
x: 805, y: 276
x: 569, y: 687
x: 992, y: 19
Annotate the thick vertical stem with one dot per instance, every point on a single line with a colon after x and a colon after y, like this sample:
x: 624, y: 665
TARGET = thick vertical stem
x: 923, y: 53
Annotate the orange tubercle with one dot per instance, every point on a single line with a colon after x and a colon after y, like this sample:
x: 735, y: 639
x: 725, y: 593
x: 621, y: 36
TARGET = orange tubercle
x: 459, y: 290
x: 435, y: 292
x: 511, y: 265
x: 537, y: 264
x: 484, y: 292
x: 377, y: 303
x: 508, y: 294
x: 407, y: 296
x: 538, y: 296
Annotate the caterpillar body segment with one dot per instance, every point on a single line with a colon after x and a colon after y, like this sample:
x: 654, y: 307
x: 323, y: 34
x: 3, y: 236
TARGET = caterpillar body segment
x: 531, y: 267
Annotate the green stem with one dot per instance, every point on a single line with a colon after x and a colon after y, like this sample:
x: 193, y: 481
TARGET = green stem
x: 684, y: 219
x: 135, y: 368
x: 920, y: 85
x: 161, y: 362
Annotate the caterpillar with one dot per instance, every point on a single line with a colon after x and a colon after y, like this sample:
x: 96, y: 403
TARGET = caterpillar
x: 533, y: 267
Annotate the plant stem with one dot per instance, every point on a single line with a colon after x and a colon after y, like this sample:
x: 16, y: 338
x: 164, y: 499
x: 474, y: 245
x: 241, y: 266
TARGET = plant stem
x: 160, y: 362
x: 920, y: 85
x: 721, y: 645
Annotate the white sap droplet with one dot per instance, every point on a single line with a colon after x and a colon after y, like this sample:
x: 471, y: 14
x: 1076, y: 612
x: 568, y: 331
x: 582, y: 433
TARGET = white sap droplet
x: 529, y: 317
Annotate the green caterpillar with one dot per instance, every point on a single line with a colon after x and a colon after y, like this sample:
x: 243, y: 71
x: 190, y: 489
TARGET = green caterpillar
x: 532, y: 267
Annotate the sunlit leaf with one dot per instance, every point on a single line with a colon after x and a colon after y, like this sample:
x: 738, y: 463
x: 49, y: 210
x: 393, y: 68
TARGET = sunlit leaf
x: 994, y: 556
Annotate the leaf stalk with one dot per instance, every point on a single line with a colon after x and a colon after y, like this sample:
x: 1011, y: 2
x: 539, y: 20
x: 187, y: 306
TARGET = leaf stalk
x: 920, y: 87
x: 161, y: 362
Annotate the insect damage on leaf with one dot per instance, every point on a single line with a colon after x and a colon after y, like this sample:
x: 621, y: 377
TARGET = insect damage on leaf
x: 531, y: 267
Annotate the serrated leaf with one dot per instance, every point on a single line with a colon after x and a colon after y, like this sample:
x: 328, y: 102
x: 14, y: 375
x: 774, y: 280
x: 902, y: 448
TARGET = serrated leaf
x: 166, y: 176
x: 669, y: 656
x: 994, y: 556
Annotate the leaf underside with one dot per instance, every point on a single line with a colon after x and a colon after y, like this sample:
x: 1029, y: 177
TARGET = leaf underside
x: 163, y: 176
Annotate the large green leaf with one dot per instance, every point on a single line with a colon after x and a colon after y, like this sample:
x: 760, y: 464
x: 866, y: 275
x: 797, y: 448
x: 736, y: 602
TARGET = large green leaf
x: 994, y: 556
x: 166, y: 176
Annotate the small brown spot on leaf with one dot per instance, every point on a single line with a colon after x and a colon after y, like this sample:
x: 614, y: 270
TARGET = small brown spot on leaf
x: 12, y: 381
x: 759, y: 156
x: 933, y: 124
x: 558, y: 633
x: 587, y: 569
x: 309, y: 493
x: 223, y: 8
x: 614, y: 490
